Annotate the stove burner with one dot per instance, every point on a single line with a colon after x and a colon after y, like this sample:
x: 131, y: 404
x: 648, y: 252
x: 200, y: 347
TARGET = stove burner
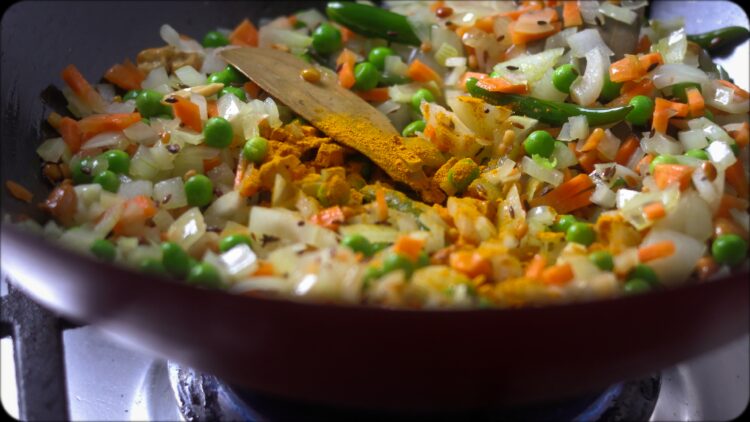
x: 203, y: 397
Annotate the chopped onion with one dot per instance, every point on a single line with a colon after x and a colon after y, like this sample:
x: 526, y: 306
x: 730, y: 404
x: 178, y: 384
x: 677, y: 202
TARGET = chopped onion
x: 170, y: 193
x: 310, y: 17
x: 213, y: 62
x: 240, y: 261
x: 586, y: 90
x: 617, y: 13
x: 202, y: 104
x: 228, y: 207
x: 609, y: 145
x: 394, y: 65
x: 190, y: 77
x: 559, y: 39
x: 588, y: 40
x: 172, y: 37
x: 673, y: 47
x: 706, y: 188
x: 740, y: 217
x: 676, y: 268
x: 187, y: 229
x: 441, y: 36
x: 590, y: 11
x: 157, y: 80
x: 603, y: 196
x: 104, y: 140
x: 228, y: 106
x: 136, y: 188
x: 691, y: 216
x: 530, y: 68
x: 721, y: 155
x: 142, y: 164
x: 455, y: 76
x: 660, y: 143
x: 163, y: 219
x: 579, y: 128
x: 544, y: 89
x: 675, y: 73
x: 123, y: 107
x: 277, y: 222
x: 564, y: 156
x: 500, y: 173
x: 724, y: 98
x: 551, y: 176
x: 693, y: 139
x: 52, y: 150
x: 141, y: 133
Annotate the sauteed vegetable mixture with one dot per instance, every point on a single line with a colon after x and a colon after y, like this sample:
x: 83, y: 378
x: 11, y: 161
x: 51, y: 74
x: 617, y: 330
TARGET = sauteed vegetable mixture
x: 571, y: 163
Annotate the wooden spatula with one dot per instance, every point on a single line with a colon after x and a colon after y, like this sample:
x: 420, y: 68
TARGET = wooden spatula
x: 326, y: 105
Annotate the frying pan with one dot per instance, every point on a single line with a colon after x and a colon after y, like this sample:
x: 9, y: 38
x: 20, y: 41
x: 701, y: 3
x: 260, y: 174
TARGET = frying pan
x: 360, y: 357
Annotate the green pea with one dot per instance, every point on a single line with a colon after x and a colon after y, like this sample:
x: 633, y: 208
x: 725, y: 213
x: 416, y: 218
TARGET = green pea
x: 366, y: 76
x: 379, y: 246
x: 580, y: 233
x: 390, y: 80
x: 371, y: 273
x: 563, y: 77
x: 463, y: 173
x: 199, y: 190
x: 563, y: 223
x: 218, y: 132
x: 255, y: 149
x: 108, y: 180
x: 610, y: 90
x: 661, y: 159
x: 636, y: 286
x: 421, y: 94
x: 539, y: 142
x: 131, y: 95
x: 412, y: 128
x: 118, y: 161
x: 697, y: 153
x: 175, y: 260
x: 326, y: 39
x: 395, y: 261
x: 152, y: 266
x: 233, y: 240
x: 104, y: 250
x: 679, y: 91
x: 708, y: 114
x: 148, y: 103
x: 377, y: 56
x: 204, y: 274
x: 235, y: 76
x: 729, y: 249
x: 735, y: 149
x: 238, y: 92
x: 299, y: 24
x: 423, y: 259
x: 603, y: 260
x: 643, y: 108
x: 220, y: 77
x: 306, y: 57
x: 643, y: 272
x: 82, y: 171
x: 357, y: 243
x: 215, y: 39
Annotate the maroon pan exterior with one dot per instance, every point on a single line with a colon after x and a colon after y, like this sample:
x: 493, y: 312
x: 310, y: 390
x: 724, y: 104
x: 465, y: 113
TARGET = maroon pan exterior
x: 342, y: 355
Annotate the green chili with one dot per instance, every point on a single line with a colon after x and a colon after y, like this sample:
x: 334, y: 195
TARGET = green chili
x: 550, y: 112
x: 713, y: 40
x: 372, y: 22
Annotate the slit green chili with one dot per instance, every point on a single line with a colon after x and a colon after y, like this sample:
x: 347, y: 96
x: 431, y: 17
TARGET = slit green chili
x: 550, y: 112
x: 713, y: 40
x: 372, y: 22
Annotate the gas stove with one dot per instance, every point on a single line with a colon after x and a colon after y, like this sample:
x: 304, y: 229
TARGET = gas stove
x: 107, y: 381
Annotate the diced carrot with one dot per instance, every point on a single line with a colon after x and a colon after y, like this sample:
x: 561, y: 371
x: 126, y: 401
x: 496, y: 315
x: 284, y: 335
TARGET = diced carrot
x: 240, y: 171
x: 211, y: 108
x: 81, y: 88
x: 706, y: 267
x: 19, y: 192
x: 502, y: 85
x: 643, y: 163
x: 486, y: 24
x: 536, y: 267
x: 525, y: 8
x: 189, y: 113
x: 125, y: 75
x: 98, y: 123
x: 572, y: 14
x: 345, y: 68
x: 626, y: 150
x: 569, y: 196
x: 382, y: 206
x: 644, y: 45
x: 429, y: 132
x: 587, y: 160
x: 593, y: 140
x: 71, y: 134
x: 264, y: 268
x: 742, y: 135
x: 654, y: 211
x: 551, y: 3
x: 54, y: 120
x: 664, y: 110
x: 244, y: 34
x: 630, y: 89
x: 409, y: 247
x: 377, y: 95
x: 135, y: 213
x: 626, y: 69
x: 346, y: 33
x: 420, y: 72
x: 435, y: 5
x: 695, y: 102
x: 649, y: 61
x: 329, y: 218
x: 211, y: 163
x: 546, y: 14
x: 728, y: 202
x: 558, y: 274
x: 666, y: 174
x: 656, y: 250
x: 467, y: 75
x: 737, y: 90
x: 470, y: 263
x: 735, y: 175
x: 252, y: 89
x: 526, y: 32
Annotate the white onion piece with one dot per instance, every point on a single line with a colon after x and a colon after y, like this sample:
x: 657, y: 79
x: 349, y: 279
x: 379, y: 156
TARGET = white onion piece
x: 189, y: 76
x: 529, y: 68
x: 674, y: 73
x: 157, y: 79
x: 453, y: 61
x: 240, y: 261
x: 213, y: 62
x: 187, y: 229
x: 172, y: 37
x: 603, y: 196
x: 311, y: 17
x: 581, y: 43
x: 276, y: 222
x: 609, y: 145
x: 589, y: 11
x: 440, y: 35
x: 711, y: 130
x: 740, y: 217
x: 559, y: 39
x: 661, y: 144
x: 544, y: 89
x: 52, y: 149
x: 564, y: 156
x: 672, y: 47
x: 109, y: 220
x: 721, y: 155
x: 106, y: 91
x: 387, y: 107
x: 455, y: 75
x: 724, y: 99
x: 693, y: 139
x: 228, y: 106
x: 394, y: 65
x: 141, y: 133
x: 103, y: 140
x: 202, y: 104
x: 579, y: 128
x: 706, y: 189
x: 617, y: 13
x: 676, y: 268
x: 135, y: 188
x: 691, y: 216
x: 170, y: 193
x: 499, y: 174
x: 586, y: 90
x: 142, y: 164
x: 123, y: 107
x: 551, y: 176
